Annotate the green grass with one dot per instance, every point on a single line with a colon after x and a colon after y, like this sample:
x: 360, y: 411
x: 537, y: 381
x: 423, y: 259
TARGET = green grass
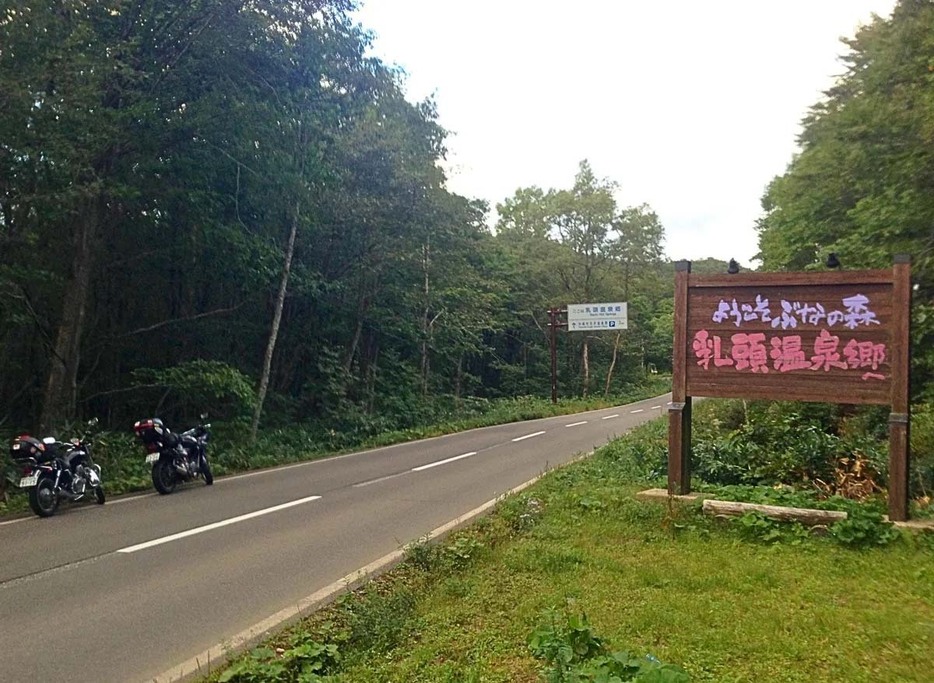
x: 124, y: 469
x: 695, y: 592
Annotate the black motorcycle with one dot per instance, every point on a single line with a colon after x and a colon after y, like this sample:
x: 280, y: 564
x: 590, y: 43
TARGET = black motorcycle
x: 175, y: 458
x: 56, y: 471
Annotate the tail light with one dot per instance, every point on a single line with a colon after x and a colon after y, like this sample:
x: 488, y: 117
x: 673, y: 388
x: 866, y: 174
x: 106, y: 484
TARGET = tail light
x: 27, y: 470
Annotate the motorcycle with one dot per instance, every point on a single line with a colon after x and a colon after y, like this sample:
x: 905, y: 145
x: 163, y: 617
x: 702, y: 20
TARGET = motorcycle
x: 56, y: 471
x: 175, y: 458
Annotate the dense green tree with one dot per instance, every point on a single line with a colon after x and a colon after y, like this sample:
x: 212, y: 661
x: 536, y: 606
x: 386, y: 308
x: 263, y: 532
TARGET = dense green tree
x: 577, y: 246
x: 228, y: 205
x: 861, y: 183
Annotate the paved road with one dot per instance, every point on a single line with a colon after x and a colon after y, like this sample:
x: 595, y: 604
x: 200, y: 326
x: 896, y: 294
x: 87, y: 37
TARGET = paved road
x: 132, y: 589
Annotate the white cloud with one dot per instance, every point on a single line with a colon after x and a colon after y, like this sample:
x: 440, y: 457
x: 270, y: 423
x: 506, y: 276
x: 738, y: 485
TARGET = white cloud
x: 693, y: 107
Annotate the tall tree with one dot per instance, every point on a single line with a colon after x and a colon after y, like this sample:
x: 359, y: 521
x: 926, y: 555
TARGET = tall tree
x: 860, y: 185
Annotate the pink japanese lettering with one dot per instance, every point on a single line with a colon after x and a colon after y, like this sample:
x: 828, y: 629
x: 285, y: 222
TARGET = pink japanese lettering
x: 707, y: 348
x: 787, y: 354
x: 749, y: 351
x: 864, y: 354
x: 826, y: 355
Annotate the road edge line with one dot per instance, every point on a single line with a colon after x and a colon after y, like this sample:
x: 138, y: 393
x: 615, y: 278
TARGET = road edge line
x: 207, y: 661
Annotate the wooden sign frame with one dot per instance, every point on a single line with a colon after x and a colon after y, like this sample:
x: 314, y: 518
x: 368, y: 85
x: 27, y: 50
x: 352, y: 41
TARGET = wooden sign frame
x: 833, y: 337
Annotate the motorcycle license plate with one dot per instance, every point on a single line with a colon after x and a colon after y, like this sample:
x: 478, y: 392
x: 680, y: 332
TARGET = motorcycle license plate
x: 152, y: 457
x: 26, y: 482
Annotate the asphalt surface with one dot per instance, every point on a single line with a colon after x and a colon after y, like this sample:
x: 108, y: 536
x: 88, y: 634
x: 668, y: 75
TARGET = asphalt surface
x: 128, y: 590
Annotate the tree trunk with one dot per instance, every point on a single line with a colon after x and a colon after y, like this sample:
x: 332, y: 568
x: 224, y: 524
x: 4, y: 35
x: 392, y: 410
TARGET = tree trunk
x: 426, y: 324
x: 609, y: 373
x: 58, y: 405
x: 372, y: 370
x: 354, y: 343
x: 276, y: 320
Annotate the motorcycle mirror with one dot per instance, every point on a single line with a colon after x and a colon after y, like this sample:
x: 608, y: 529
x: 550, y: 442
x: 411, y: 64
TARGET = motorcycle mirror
x: 93, y: 422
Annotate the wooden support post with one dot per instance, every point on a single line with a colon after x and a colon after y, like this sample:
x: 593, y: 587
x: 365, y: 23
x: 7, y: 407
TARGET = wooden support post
x: 900, y: 417
x: 679, y: 414
x: 553, y: 318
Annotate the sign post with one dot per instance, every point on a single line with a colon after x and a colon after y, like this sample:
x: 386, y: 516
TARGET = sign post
x: 835, y: 337
x: 553, y: 314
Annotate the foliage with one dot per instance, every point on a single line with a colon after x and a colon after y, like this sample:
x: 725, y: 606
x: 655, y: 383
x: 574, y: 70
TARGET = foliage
x: 199, y: 384
x: 177, y: 144
x: 303, y: 660
x: 862, y: 528
x: 859, y: 186
x: 574, y: 654
x: 756, y: 526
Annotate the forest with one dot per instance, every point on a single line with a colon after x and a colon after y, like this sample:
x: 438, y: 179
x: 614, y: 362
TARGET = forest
x: 227, y: 205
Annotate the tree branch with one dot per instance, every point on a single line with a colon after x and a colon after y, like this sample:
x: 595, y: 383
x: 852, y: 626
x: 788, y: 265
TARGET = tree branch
x: 164, y: 323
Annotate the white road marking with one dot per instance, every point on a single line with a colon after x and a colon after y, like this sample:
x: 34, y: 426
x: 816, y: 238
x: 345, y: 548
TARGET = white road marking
x: 607, y: 417
x: 215, y: 525
x: 442, y: 462
x: 633, y: 412
x: 528, y: 436
x: 129, y: 498
x: 575, y: 424
x: 267, y: 471
x: 655, y: 407
x: 378, y: 480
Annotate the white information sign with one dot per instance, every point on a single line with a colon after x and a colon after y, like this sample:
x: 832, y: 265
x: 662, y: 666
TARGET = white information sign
x: 587, y: 317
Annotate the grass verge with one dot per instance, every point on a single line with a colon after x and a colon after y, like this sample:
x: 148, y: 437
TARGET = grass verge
x: 230, y: 452
x: 709, y: 596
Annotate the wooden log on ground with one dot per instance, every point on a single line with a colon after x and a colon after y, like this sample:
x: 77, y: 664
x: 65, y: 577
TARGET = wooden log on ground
x: 806, y: 516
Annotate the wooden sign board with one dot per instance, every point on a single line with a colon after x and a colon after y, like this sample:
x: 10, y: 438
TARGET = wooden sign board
x: 834, y: 336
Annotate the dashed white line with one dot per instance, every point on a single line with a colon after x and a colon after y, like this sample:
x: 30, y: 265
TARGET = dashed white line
x: 443, y: 462
x: 378, y: 480
x: 655, y: 407
x: 608, y: 417
x: 633, y: 412
x: 528, y: 436
x: 576, y: 424
x: 215, y: 525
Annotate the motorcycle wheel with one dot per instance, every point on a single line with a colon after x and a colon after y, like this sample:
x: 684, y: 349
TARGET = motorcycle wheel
x: 164, y: 477
x: 99, y: 495
x: 206, y: 471
x: 42, y: 498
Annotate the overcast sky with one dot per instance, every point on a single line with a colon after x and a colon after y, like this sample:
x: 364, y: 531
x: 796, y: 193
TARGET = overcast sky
x: 692, y: 107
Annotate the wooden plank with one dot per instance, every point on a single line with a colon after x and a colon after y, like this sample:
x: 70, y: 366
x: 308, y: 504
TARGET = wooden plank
x: 760, y: 393
x: 807, y: 516
x: 840, y: 277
